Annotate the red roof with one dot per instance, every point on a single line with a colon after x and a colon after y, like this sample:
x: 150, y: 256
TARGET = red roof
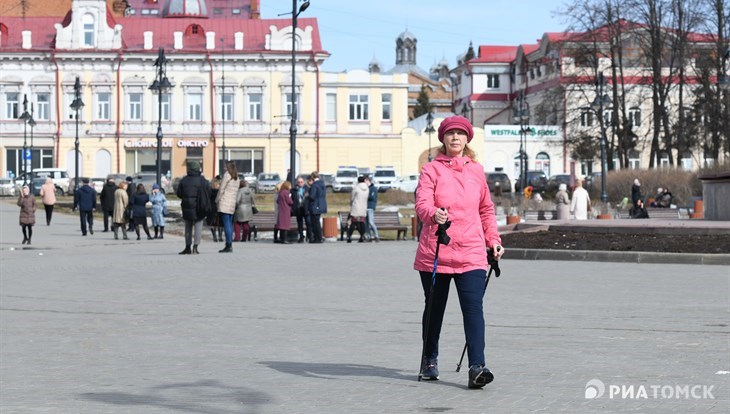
x: 496, y: 54
x: 133, y: 28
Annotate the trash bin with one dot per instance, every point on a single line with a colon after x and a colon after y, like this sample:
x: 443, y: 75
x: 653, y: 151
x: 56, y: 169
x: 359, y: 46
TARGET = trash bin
x: 329, y: 227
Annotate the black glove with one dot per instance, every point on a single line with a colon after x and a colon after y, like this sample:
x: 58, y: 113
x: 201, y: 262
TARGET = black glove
x: 494, y: 263
x: 443, y: 238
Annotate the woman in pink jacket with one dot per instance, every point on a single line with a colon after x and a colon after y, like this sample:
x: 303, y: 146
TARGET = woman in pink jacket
x: 452, y: 188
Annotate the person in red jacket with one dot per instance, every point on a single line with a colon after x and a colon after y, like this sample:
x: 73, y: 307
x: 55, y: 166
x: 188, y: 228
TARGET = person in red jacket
x: 452, y: 188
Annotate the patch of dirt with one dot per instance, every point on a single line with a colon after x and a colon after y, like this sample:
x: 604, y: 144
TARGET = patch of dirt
x: 668, y: 243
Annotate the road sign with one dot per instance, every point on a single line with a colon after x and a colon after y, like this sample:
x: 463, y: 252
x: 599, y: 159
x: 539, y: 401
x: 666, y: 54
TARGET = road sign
x: 28, y: 155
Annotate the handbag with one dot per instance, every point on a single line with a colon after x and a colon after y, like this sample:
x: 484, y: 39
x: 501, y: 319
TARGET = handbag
x: 254, y: 209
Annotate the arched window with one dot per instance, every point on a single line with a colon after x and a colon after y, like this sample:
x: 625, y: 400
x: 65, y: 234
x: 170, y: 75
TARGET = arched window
x: 542, y: 163
x: 88, y: 30
x: 195, y: 30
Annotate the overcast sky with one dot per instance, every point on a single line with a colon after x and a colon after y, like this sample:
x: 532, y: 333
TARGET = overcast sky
x: 354, y: 31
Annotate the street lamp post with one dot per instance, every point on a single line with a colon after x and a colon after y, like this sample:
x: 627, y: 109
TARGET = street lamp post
x: 224, y: 114
x: 429, y: 130
x: 76, y: 105
x: 32, y: 123
x: 293, y: 127
x: 598, y: 104
x: 25, y: 116
x: 160, y: 85
x: 522, y: 116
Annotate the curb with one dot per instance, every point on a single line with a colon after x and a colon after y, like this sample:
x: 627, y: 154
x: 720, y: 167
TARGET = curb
x: 620, y: 257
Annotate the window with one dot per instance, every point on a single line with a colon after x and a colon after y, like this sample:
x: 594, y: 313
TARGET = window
x: 542, y: 163
x: 135, y: 106
x: 289, y: 110
x: 227, y: 107
x: 635, y: 117
x: 663, y: 159
x: 608, y: 117
x: 331, y: 107
x: 165, y: 107
x: 493, y: 81
x: 254, y: 106
x: 195, y: 107
x: 103, y: 106
x: 358, y: 108
x: 634, y: 160
x: 386, y: 101
x: 12, y: 105
x: 686, y: 161
x: 88, y: 22
x: 586, y: 117
x: 43, y: 110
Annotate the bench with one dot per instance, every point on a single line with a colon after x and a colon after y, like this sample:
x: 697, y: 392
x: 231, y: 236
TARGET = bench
x: 265, y: 221
x: 384, y: 220
x: 531, y: 215
x: 658, y: 213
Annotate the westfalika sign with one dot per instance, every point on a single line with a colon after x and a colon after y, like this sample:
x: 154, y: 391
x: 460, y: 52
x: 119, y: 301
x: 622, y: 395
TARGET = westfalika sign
x: 152, y: 143
x: 513, y: 131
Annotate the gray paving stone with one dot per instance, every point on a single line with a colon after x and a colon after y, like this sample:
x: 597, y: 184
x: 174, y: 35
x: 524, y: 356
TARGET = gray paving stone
x: 94, y: 325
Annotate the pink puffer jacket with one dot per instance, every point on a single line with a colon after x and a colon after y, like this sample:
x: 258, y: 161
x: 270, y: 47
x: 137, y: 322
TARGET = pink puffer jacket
x: 458, y: 185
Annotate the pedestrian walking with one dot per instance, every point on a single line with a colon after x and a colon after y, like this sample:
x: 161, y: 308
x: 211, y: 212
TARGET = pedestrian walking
x: 226, y: 203
x: 85, y: 202
x: 159, y: 211
x: 121, y: 209
x: 581, y: 203
x: 244, y: 211
x: 139, y: 210
x: 48, y: 196
x: 452, y: 190
x: 106, y: 199
x: 26, y: 202
x: 636, y: 191
x: 131, y: 189
x: 299, y: 207
x: 214, y: 218
x: 193, y: 212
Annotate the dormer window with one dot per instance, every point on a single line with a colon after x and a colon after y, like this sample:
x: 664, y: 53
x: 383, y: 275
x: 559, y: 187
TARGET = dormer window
x: 194, y: 30
x: 88, y: 30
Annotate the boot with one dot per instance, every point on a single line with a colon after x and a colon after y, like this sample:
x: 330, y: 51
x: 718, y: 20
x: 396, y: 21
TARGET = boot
x: 195, y: 249
x: 136, y: 230
x: 157, y: 231
x: 276, y: 236
x: 284, y: 236
x: 227, y: 249
x: 215, y: 236
x: 187, y: 250
x: 162, y: 232
x: 115, y: 230
x: 350, y: 230
x: 124, y: 232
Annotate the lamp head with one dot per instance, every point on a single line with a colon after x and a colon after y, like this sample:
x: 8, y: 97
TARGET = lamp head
x: 429, y: 117
x: 304, y: 6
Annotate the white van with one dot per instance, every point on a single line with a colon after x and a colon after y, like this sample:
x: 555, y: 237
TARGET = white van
x: 384, y: 177
x: 345, y: 178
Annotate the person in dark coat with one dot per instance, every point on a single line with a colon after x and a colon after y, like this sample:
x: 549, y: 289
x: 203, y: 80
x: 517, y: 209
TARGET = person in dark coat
x: 106, y: 198
x: 26, y: 202
x: 371, y: 230
x: 283, y: 215
x: 638, y: 211
x: 187, y: 191
x: 85, y: 202
x: 298, y: 207
x: 139, y: 210
x: 131, y: 189
x: 317, y: 206
x: 636, y: 191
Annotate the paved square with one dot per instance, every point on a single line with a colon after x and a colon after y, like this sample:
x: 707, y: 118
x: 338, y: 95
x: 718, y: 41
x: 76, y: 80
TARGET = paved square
x: 94, y: 325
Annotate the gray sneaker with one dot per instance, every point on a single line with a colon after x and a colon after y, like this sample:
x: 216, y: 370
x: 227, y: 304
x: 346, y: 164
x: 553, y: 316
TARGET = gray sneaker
x: 430, y: 369
x: 479, y: 376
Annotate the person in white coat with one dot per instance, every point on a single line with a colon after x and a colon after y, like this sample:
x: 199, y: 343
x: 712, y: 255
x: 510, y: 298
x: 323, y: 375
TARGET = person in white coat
x: 581, y: 202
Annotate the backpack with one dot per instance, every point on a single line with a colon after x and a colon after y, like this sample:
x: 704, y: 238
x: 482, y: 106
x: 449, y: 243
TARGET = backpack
x: 204, y: 206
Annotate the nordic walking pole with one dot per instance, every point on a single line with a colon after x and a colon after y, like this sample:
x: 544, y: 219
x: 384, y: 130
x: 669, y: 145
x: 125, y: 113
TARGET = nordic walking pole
x: 493, y: 266
x: 443, y: 238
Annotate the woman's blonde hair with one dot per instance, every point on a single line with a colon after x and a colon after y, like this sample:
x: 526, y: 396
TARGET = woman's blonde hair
x: 286, y: 185
x: 468, y: 152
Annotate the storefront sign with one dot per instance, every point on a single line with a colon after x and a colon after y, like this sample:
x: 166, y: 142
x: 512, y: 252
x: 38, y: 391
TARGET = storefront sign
x: 508, y: 131
x: 152, y: 143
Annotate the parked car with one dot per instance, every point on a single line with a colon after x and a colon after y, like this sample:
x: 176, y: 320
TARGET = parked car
x: 266, y: 182
x: 345, y: 178
x: 384, y: 177
x: 537, y: 179
x: 250, y: 179
x: 36, y: 184
x: 407, y: 183
x: 60, y: 178
x: 498, y: 177
x: 98, y: 183
x: 329, y: 181
x: 555, y: 181
x: 7, y: 187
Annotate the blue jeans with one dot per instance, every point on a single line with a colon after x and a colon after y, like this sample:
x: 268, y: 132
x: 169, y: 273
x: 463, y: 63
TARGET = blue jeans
x: 371, y: 224
x: 470, y: 287
x: 228, y: 226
